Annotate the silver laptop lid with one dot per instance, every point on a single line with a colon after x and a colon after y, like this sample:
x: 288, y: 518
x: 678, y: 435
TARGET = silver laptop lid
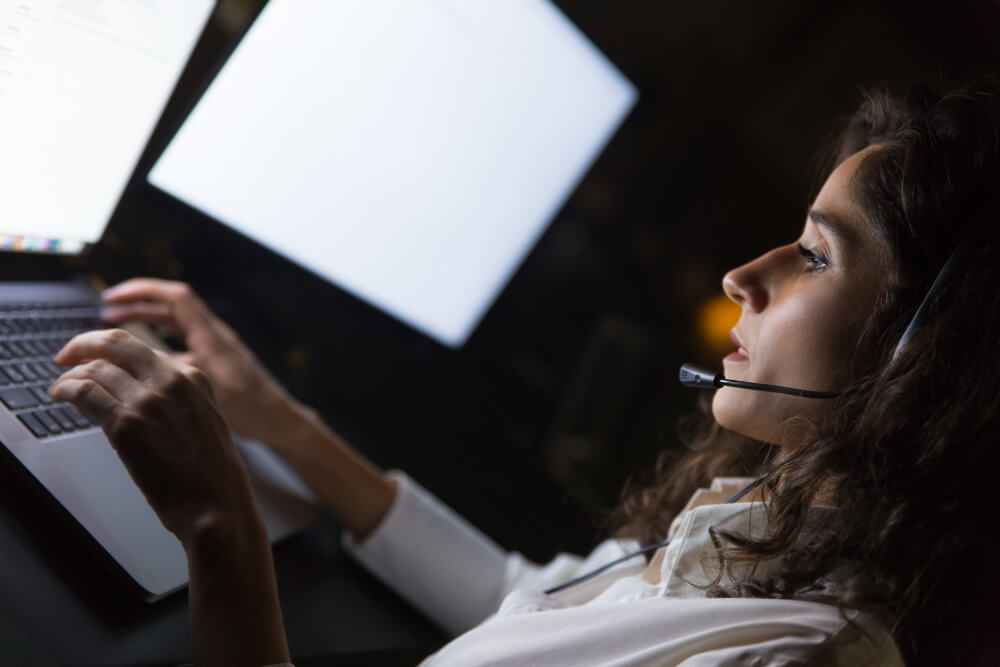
x: 82, y: 85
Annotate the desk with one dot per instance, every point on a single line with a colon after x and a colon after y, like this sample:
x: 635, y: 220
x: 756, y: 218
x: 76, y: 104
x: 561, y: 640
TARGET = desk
x: 61, y: 605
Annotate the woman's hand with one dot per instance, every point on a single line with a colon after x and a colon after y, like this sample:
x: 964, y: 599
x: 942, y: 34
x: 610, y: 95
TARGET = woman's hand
x: 161, y: 417
x: 254, y: 404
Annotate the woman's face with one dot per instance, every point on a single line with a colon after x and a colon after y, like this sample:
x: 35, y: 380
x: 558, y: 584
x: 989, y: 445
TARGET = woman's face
x: 804, y: 305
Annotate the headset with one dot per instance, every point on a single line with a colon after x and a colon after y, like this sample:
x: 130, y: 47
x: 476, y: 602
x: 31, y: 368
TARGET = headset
x: 700, y: 378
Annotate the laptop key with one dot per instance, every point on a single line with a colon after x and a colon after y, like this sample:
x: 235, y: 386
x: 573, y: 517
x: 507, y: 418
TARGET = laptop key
x: 65, y: 423
x: 17, y: 397
x: 12, y: 373
x: 51, y: 345
x: 42, y: 394
x: 32, y: 348
x: 55, y: 370
x: 51, y: 424
x: 33, y: 424
x: 40, y: 369
x: 27, y: 371
x: 17, y: 349
x: 78, y: 418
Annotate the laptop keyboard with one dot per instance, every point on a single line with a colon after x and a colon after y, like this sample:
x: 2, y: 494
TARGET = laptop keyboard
x: 30, y: 335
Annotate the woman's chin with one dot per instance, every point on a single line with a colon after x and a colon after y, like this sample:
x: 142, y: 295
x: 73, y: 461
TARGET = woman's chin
x: 770, y: 418
x: 745, y: 412
x: 731, y: 411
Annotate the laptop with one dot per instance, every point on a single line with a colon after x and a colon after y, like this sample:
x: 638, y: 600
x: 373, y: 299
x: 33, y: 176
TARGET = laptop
x: 82, y: 86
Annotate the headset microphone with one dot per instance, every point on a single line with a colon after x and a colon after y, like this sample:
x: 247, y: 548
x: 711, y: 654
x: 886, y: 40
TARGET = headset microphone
x: 694, y: 376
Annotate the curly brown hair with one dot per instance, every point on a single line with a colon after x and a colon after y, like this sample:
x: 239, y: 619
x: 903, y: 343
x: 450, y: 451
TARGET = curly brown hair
x: 911, y: 455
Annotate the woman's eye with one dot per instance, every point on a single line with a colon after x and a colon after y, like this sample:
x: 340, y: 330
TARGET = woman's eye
x: 814, y: 261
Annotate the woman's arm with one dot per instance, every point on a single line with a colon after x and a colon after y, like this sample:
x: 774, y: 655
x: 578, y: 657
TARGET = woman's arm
x: 161, y: 417
x: 357, y: 492
x: 232, y: 595
x: 255, y: 405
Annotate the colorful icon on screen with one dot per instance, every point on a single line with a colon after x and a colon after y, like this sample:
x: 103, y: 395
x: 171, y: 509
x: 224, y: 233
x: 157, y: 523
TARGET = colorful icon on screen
x: 30, y: 243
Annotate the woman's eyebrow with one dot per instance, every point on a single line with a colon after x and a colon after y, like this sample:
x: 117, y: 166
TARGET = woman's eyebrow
x: 834, y: 225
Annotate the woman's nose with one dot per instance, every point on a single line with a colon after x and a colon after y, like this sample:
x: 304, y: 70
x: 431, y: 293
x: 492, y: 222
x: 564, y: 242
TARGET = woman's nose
x: 749, y: 285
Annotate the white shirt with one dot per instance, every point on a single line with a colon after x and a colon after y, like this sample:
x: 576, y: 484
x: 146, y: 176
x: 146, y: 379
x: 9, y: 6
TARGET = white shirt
x: 632, y: 614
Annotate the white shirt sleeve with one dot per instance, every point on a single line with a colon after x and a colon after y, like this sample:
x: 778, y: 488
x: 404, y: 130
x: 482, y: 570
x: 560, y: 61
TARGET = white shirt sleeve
x: 447, y: 568
x: 433, y: 558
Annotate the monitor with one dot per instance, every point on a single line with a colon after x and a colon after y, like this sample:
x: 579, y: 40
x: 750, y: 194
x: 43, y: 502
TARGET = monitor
x: 410, y: 151
x: 82, y: 85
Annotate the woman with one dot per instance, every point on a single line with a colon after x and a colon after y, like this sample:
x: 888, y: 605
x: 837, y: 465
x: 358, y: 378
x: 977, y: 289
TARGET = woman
x: 873, y: 531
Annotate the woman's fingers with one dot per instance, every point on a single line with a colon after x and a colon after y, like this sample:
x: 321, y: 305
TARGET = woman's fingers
x: 148, y: 312
x: 114, y: 345
x: 117, y: 383
x: 88, y: 396
x: 183, y: 358
x: 120, y: 361
x: 176, y: 305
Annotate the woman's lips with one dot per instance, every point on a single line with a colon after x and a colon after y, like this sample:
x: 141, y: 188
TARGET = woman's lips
x: 740, y: 354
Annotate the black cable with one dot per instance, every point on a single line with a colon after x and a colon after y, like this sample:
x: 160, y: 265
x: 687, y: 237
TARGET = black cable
x: 778, y: 389
x: 692, y: 375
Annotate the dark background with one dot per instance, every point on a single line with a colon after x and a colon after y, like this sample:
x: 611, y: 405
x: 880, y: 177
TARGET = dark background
x: 568, y: 386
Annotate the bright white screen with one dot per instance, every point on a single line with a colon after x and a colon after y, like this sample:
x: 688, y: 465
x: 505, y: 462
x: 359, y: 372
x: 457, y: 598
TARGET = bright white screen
x: 410, y: 151
x: 82, y: 84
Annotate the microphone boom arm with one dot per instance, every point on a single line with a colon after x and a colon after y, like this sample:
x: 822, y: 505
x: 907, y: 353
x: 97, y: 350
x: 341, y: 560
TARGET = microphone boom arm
x: 694, y: 376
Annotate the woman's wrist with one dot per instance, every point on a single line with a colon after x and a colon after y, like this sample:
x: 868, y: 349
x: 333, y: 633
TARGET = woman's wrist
x: 217, y: 535
x: 289, y: 423
x: 357, y: 492
x: 235, y: 612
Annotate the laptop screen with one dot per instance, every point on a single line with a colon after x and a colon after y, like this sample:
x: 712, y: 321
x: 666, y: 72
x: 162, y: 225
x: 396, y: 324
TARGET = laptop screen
x: 82, y: 85
x: 409, y: 151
